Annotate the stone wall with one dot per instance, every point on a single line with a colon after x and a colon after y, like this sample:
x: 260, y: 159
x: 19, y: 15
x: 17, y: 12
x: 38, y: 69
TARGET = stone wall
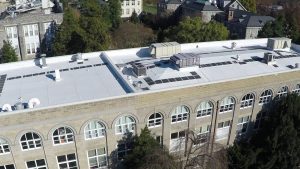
x: 139, y: 106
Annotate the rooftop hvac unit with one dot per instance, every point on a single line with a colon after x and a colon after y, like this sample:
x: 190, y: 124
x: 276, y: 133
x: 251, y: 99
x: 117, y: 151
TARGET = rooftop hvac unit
x: 279, y: 43
x: 183, y: 60
x: 6, y: 107
x: 159, y: 50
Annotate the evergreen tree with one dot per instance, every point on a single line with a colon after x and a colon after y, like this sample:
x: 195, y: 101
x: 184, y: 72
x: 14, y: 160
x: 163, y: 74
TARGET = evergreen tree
x: 8, y: 53
x: 114, y: 7
x: 277, y: 144
x: 147, y: 153
x: 134, y: 18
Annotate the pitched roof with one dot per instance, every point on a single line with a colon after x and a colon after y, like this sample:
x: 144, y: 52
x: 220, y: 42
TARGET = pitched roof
x: 235, y: 1
x: 200, y: 5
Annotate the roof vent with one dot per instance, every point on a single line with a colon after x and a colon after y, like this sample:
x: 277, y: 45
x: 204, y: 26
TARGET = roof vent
x: 43, y: 59
x: 33, y: 102
x: 6, y: 107
x: 19, y: 106
x: 57, y: 75
x: 269, y: 58
x: 233, y: 45
x: 139, y: 69
x: 79, y: 57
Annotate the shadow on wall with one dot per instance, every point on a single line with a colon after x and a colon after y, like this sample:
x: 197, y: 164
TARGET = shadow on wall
x: 124, y: 146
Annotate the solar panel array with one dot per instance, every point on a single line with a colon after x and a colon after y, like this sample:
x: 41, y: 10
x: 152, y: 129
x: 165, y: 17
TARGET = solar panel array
x: 52, y: 71
x: 215, y: 64
x: 284, y: 56
x: 193, y: 76
x: 2, y: 81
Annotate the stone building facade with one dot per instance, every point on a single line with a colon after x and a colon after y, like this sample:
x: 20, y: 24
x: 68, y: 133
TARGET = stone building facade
x: 224, y: 119
x: 28, y: 31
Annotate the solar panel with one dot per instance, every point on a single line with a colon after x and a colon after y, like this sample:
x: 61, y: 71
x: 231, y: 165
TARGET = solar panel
x: 178, y: 79
x: 275, y: 65
x: 191, y: 77
x: 193, y: 73
x: 29, y: 75
x: 165, y: 80
x: 158, y: 81
x: 185, y: 78
x: 172, y: 79
x: 242, y: 63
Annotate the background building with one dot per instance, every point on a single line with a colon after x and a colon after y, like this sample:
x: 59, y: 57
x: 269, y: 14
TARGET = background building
x: 73, y: 111
x: 129, y: 6
x: 28, y: 27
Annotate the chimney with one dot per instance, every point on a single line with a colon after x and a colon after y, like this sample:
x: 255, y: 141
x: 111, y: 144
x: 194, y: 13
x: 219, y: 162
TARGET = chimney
x: 57, y: 75
x: 230, y: 15
x: 296, y: 65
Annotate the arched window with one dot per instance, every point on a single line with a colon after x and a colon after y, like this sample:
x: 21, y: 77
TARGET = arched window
x: 282, y: 92
x: 30, y: 141
x: 265, y: 97
x: 125, y: 124
x: 180, y: 113
x: 204, y: 109
x: 227, y: 104
x: 247, y: 100
x: 297, y: 89
x: 4, y: 147
x: 94, y: 129
x: 155, y: 120
x: 63, y: 135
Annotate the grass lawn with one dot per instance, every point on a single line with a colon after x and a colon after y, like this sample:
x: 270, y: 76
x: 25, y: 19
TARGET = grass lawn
x: 150, y: 8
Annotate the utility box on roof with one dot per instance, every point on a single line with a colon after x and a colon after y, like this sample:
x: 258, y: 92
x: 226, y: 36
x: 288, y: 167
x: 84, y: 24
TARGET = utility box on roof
x: 279, y: 43
x: 159, y: 50
x: 183, y: 60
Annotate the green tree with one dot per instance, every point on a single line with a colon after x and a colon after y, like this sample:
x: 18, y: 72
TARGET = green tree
x: 273, y: 28
x: 8, y: 53
x: 129, y: 35
x: 194, y: 30
x: 147, y: 153
x: 114, y: 7
x: 86, y: 30
x: 67, y: 30
x: 277, y: 144
x: 250, y: 5
x: 134, y: 18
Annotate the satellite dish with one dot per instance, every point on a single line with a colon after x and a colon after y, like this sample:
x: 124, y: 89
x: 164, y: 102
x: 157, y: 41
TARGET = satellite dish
x: 33, y: 102
x: 6, y: 107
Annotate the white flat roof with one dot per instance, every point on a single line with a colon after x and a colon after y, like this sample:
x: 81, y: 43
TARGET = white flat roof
x: 108, y: 74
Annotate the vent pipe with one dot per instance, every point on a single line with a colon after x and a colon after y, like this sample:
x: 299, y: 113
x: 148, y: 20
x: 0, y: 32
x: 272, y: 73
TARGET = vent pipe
x: 43, y: 59
x: 57, y: 75
x: 33, y: 102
